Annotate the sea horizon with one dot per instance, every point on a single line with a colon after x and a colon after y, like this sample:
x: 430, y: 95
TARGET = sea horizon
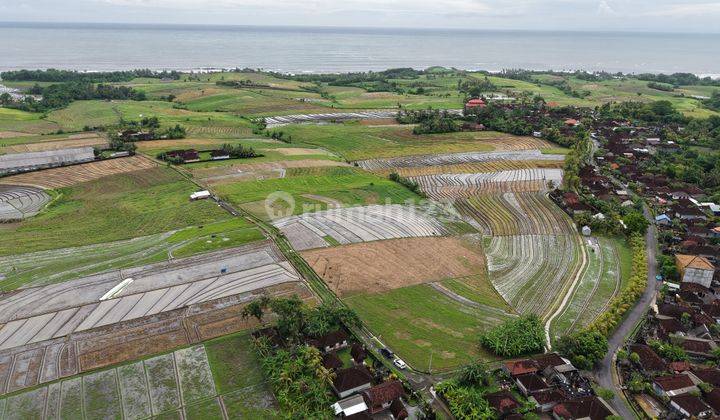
x: 87, y: 46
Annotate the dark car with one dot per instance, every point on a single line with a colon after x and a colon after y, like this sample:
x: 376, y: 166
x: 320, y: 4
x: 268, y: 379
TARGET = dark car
x: 387, y: 353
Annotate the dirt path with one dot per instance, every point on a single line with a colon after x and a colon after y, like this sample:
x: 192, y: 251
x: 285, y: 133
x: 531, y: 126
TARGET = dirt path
x: 568, y: 295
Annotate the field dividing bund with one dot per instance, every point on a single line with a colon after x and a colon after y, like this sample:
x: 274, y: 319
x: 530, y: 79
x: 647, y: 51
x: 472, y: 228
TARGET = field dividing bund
x: 358, y: 224
x: 57, y: 331
x: 180, y: 384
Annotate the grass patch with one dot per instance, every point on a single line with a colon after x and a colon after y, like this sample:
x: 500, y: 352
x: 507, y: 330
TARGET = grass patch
x: 418, y: 321
x: 233, y: 363
x: 478, y: 289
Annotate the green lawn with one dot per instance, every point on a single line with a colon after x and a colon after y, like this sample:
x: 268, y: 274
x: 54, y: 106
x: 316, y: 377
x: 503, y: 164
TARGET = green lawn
x: 112, y: 208
x: 355, y: 142
x: 418, y: 322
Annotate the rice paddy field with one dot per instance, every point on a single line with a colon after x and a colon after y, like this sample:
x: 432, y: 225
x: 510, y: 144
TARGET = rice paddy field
x: 349, y: 186
x: 111, y: 208
x: 355, y: 141
x: 219, y: 379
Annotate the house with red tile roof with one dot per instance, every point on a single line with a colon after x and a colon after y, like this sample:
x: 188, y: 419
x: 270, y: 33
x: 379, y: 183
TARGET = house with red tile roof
x: 672, y: 385
x: 592, y: 408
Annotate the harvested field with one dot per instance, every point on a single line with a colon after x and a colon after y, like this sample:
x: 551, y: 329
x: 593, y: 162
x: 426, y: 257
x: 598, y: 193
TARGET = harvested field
x: 257, y: 171
x: 71, y: 175
x: 358, y: 224
x: 17, y: 202
x: 377, y: 267
x: 456, y: 159
x: 516, y: 214
x: 329, y: 117
x: 13, y: 134
x: 451, y: 186
x: 57, y: 144
x: 533, y: 271
x: 37, y: 314
x: 471, y: 168
x: 301, y: 151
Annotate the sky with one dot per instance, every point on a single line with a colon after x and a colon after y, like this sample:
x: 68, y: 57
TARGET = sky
x: 610, y: 15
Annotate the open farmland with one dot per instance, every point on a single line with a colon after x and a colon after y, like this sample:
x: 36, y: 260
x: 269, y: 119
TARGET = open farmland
x: 358, y: 224
x: 181, y: 382
x: 116, y: 316
x: 17, y: 202
x: 379, y: 266
x: 451, y: 186
x: 76, y: 174
x: 57, y: 265
x: 533, y: 271
x: 516, y: 214
x: 47, y: 143
x: 349, y: 186
x: 471, y: 168
x: 362, y: 142
x: 111, y: 208
x: 420, y: 323
x: 255, y: 171
x: 449, y: 161
x: 600, y: 282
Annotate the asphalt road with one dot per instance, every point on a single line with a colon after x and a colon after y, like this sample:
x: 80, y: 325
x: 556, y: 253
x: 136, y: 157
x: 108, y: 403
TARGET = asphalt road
x: 606, y: 376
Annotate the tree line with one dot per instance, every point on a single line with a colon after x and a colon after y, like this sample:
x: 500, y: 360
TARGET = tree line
x: 55, y: 75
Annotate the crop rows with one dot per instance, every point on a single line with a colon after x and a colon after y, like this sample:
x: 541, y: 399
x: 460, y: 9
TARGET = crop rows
x: 75, y: 174
x: 532, y: 271
x: 451, y: 186
x: 473, y: 167
x: 358, y: 224
x: 19, y: 202
x: 516, y: 214
x: 456, y: 158
x: 161, y: 384
x: 599, y: 283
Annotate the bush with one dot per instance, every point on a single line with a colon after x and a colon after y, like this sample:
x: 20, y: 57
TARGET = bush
x: 585, y: 349
x: 606, y: 323
x: 516, y: 337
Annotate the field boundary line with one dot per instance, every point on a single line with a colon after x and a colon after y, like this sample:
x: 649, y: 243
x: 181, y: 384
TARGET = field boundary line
x: 568, y: 295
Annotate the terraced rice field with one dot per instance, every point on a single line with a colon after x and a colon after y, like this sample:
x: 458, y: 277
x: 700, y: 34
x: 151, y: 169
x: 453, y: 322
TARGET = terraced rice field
x: 471, y: 168
x: 449, y: 159
x: 599, y: 283
x: 358, y: 224
x: 533, y: 272
x: 327, y: 117
x: 17, y: 202
x: 515, y: 214
x: 179, y: 384
x: 257, y: 171
x: 375, y: 267
x: 72, y: 175
x: 452, y: 186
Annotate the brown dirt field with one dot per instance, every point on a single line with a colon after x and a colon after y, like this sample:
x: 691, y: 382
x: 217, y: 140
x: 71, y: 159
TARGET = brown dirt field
x: 70, y: 175
x: 11, y: 134
x: 56, y: 145
x: 162, y: 144
x: 376, y: 267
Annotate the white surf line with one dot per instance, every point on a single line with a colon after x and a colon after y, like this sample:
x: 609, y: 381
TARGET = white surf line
x: 567, y: 297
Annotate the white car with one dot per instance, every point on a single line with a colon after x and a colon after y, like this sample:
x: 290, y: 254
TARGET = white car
x: 399, y: 364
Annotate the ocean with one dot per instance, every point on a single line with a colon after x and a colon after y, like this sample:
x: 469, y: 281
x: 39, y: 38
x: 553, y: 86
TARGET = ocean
x: 94, y: 47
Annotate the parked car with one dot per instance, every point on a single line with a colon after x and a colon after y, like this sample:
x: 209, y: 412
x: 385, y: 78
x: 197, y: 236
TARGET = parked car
x: 399, y: 364
x: 387, y: 353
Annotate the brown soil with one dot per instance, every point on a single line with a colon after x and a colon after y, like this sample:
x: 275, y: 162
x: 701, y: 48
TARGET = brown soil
x: 56, y: 145
x: 375, y: 267
x: 75, y: 174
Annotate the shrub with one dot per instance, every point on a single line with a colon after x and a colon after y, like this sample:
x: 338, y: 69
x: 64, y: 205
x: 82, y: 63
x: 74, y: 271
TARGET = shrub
x: 585, y: 349
x: 516, y: 337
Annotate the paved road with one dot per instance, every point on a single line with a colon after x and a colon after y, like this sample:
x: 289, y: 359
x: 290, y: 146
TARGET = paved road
x: 606, y: 376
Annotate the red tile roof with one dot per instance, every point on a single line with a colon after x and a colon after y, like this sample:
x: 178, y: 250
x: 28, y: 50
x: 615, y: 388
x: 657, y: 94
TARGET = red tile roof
x: 347, y: 379
x: 691, y: 404
x: 711, y: 376
x: 503, y: 402
x: 673, y: 382
x: 649, y: 360
x: 587, y: 407
x: 521, y: 367
x: 383, y: 393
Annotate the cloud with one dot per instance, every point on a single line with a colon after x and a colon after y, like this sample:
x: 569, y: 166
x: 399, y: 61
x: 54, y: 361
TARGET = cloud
x: 605, y: 9
x: 686, y: 10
